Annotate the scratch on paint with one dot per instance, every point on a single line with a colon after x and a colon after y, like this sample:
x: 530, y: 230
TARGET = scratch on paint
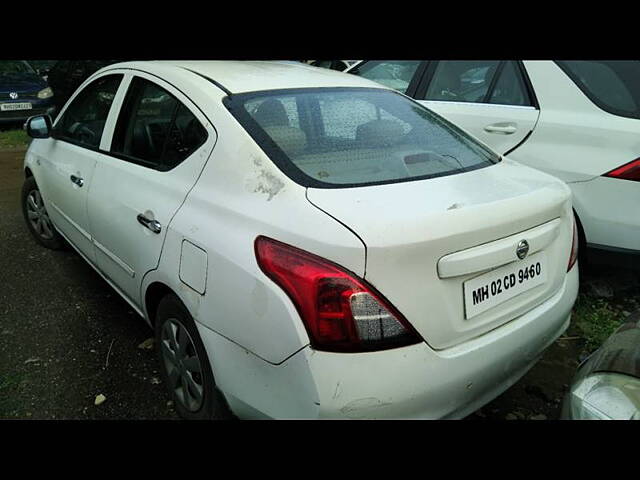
x: 364, y: 407
x: 337, y: 392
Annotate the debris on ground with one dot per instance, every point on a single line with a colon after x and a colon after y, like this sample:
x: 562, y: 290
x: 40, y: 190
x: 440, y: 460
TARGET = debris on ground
x: 31, y: 360
x: 155, y: 381
x: 147, y: 344
x: 540, y: 416
x: 106, y: 363
x: 100, y: 398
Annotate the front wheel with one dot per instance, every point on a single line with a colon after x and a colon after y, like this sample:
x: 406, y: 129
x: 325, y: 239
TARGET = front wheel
x: 184, y: 364
x: 37, y: 218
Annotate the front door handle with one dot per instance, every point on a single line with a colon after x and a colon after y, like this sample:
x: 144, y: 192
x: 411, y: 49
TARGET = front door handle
x: 79, y: 181
x: 501, y: 128
x: 152, y: 225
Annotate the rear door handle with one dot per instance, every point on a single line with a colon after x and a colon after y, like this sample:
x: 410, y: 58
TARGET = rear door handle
x: 79, y: 181
x: 504, y: 129
x: 152, y: 225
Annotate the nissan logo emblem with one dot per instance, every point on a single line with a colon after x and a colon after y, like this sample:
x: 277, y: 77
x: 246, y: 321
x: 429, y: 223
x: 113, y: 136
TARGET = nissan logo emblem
x: 13, y: 95
x: 522, y: 249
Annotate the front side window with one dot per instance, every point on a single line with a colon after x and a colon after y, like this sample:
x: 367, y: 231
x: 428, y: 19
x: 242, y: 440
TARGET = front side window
x: 355, y: 136
x: 396, y: 74
x: 154, y: 128
x: 613, y: 85
x: 83, y: 121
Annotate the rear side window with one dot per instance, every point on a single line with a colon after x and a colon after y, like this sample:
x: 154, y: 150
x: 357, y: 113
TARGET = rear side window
x: 396, y: 74
x: 613, y: 85
x: 479, y: 81
x: 83, y: 121
x: 155, y: 129
x: 336, y: 137
x: 462, y: 81
x: 510, y: 88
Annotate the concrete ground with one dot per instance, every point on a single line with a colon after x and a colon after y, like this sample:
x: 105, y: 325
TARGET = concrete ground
x: 67, y: 337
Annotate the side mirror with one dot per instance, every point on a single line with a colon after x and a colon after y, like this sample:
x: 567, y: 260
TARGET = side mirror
x: 39, y: 126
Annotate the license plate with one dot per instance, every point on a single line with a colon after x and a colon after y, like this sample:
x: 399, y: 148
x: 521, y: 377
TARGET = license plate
x: 495, y: 287
x: 15, y: 106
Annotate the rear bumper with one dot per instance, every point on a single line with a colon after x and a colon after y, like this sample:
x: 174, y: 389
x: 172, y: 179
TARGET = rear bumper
x: 418, y: 382
x: 414, y: 382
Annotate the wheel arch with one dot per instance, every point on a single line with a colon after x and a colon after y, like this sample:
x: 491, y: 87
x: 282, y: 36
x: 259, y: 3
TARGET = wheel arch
x: 155, y: 292
x: 582, y: 239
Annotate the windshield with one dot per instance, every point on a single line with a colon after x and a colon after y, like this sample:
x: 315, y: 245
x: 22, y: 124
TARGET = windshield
x: 328, y: 137
x: 15, y: 66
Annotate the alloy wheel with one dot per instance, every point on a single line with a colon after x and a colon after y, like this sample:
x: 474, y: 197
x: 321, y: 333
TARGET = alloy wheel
x: 183, y: 367
x: 38, y: 216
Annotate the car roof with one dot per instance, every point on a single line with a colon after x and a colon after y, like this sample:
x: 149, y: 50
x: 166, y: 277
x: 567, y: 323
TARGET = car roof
x: 238, y: 76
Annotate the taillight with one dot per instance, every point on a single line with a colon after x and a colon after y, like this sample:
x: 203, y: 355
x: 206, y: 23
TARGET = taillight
x: 340, y: 311
x: 629, y: 171
x: 573, y: 257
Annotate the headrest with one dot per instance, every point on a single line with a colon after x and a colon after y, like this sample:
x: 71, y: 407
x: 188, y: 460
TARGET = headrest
x: 290, y: 139
x: 379, y: 133
x: 270, y: 113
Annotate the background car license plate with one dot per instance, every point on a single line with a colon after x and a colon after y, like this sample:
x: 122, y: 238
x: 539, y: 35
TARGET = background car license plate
x: 15, y: 106
x: 495, y: 287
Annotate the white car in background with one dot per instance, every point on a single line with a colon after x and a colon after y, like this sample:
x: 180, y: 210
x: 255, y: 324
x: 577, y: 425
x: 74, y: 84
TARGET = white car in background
x: 577, y: 120
x: 305, y: 243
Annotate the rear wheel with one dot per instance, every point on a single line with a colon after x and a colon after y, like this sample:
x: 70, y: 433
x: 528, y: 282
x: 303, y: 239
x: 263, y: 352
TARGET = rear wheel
x: 37, y: 218
x: 184, y: 364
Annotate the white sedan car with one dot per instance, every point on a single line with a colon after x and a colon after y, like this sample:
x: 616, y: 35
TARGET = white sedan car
x: 577, y: 120
x: 305, y: 243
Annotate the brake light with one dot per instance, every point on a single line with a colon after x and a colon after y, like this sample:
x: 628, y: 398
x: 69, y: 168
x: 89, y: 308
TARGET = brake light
x: 340, y: 311
x: 629, y: 171
x: 573, y: 257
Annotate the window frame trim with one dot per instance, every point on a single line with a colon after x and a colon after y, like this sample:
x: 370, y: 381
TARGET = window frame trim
x: 128, y: 74
x: 162, y: 166
x: 55, y: 133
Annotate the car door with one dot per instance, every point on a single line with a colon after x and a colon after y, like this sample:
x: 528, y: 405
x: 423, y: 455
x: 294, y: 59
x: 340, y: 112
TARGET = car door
x: 490, y: 99
x: 159, y: 147
x: 69, y: 159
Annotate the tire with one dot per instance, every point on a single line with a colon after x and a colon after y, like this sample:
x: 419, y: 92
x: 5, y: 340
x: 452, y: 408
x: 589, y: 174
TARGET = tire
x: 583, y: 257
x: 191, y: 366
x: 37, y: 219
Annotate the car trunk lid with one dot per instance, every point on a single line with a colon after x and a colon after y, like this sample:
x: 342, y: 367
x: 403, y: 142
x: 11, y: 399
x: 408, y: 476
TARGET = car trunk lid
x: 426, y: 238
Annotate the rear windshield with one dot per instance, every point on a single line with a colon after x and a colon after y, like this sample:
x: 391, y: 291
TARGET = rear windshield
x: 613, y: 85
x: 338, y: 137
